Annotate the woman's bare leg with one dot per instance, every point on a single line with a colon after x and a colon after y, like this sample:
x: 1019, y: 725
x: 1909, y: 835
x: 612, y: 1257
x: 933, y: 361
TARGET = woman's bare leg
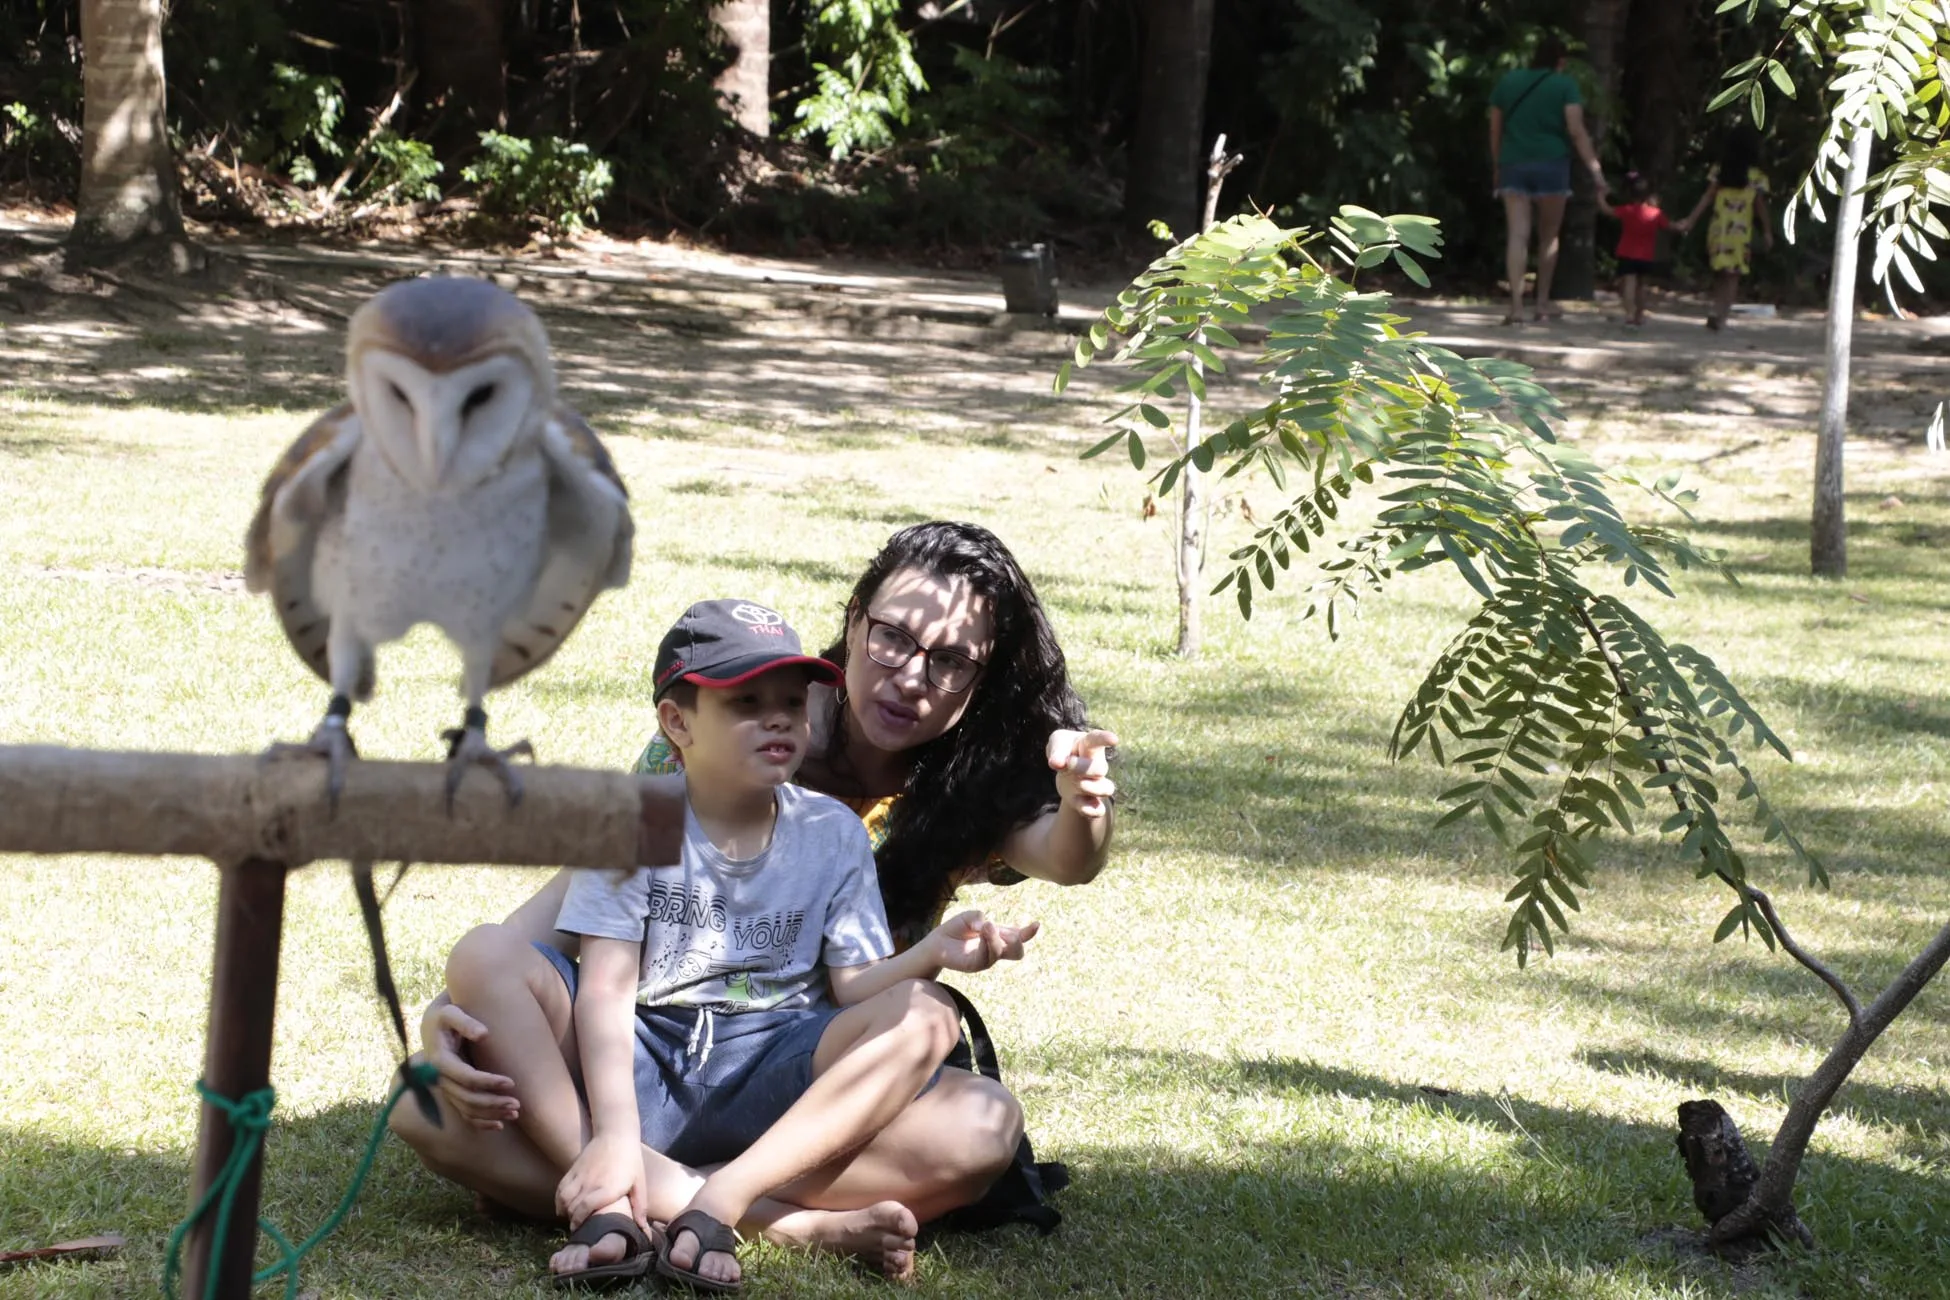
x: 1550, y: 220
x: 1516, y: 248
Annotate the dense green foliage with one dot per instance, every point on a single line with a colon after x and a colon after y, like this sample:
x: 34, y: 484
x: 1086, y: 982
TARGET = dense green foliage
x: 551, y: 182
x: 1566, y: 708
x: 945, y: 126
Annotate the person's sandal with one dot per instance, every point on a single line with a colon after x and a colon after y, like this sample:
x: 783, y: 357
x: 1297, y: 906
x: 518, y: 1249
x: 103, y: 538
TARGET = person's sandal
x: 643, y: 1252
x: 712, y: 1235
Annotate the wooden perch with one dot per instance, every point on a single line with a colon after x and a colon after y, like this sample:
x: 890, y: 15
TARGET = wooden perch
x: 236, y: 808
x: 258, y: 818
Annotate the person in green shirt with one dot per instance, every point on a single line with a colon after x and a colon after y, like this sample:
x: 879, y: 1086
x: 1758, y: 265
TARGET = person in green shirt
x: 1536, y: 120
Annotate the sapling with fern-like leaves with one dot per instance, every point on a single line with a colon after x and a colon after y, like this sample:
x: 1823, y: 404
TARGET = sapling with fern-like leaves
x: 1560, y: 703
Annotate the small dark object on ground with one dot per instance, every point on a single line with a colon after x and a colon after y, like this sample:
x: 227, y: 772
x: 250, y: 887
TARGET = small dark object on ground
x: 1724, y: 1175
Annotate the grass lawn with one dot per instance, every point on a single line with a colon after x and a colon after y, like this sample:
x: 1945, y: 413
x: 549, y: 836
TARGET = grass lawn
x: 1275, y: 1042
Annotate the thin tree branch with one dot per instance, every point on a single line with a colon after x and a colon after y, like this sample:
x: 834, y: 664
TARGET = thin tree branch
x: 1794, y: 950
x: 379, y: 124
x: 1771, y: 1204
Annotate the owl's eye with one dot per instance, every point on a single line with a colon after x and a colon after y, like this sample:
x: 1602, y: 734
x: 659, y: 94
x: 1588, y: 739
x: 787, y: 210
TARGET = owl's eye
x: 476, y: 400
x: 399, y: 394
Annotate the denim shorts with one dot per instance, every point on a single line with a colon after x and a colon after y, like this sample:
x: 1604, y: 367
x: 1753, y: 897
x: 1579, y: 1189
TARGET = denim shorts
x: 1549, y: 179
x: 708, y: 1084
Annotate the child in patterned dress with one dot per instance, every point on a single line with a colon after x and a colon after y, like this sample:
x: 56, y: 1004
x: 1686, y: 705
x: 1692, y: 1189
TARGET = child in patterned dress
x: 1738, y: 197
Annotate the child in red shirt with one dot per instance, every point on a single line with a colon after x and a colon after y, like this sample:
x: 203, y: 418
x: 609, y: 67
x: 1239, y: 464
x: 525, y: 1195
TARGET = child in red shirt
x: 1640, y: 222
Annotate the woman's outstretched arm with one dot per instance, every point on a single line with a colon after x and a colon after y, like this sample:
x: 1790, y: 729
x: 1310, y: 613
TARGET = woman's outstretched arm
x: 1069, y: 844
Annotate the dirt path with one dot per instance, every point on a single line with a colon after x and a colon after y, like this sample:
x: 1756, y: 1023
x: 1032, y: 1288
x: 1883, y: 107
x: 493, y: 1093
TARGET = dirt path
x: 712, y: 342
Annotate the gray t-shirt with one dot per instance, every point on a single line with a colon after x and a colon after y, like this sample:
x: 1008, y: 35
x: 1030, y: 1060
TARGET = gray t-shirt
x: 751, y: 935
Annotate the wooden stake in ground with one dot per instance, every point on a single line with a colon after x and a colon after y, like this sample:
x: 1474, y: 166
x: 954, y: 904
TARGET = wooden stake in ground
x: 1193, y: 512
x: 1828, y: 532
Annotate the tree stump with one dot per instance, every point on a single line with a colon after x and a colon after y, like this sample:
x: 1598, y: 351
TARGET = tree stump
x: 1724, y: 1178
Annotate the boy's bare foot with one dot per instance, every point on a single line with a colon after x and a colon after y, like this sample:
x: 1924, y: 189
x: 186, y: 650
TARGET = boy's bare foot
x: 880, y: 1236
x: 575, y: 1258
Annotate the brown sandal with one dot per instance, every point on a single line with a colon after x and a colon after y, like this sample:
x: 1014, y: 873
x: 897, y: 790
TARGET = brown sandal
x: 712, y: 1236
x: 643, y: 1252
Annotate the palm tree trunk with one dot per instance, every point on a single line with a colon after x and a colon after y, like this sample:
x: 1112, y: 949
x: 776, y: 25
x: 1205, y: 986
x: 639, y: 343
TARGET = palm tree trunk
x: 128, y: 193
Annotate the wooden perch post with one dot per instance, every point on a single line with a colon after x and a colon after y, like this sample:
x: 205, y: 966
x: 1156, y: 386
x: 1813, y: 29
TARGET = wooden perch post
x: 257, y: 820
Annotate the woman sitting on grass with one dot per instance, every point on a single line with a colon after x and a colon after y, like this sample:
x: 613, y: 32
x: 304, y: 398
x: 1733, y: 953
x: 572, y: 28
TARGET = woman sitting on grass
x: 959, y: 741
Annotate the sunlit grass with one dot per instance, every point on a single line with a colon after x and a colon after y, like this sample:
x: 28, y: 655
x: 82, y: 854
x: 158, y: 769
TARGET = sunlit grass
x: 1275, y: 1041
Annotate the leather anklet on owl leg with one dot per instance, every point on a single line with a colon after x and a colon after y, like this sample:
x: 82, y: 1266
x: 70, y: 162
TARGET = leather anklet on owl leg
x: 330, y: 741
x: 467, y: 745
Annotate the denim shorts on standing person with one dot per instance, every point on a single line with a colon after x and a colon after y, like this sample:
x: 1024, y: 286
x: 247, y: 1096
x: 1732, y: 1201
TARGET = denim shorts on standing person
x: 709, y: 1084
x: 1549, y: 178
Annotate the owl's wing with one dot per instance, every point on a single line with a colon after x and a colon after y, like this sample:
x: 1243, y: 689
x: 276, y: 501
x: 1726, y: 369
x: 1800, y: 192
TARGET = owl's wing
x: 590, y: 535
x: 305, y: 487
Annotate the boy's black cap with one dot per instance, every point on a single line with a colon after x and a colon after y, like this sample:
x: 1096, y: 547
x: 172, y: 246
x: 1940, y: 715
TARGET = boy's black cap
x: 724, y: 642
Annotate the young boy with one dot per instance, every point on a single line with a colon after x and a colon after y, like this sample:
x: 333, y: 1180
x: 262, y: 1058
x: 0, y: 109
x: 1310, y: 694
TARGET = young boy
x: 743, y: 1007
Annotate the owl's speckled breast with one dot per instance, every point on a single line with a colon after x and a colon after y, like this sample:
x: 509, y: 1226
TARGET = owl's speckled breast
x: 464, y: 562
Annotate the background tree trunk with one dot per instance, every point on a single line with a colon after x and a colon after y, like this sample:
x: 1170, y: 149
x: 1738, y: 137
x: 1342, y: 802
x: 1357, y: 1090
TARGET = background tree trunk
x: 463, y: 65
x: 1161, y: 174
x: 1828, y: 531
x: 128, y: 177
x: 1577, y: 261
x: 746, y: 85
x: 1660, y: 91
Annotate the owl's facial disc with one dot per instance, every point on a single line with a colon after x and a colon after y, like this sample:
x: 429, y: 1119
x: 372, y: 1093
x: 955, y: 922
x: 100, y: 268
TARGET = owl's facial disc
x: 446, y: 432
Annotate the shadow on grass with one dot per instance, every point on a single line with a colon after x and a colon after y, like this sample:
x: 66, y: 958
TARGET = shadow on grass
x: 1338, y: 1207
x: 1904, y: 546
x: 1769, y: 998
x: 1866, y: 1102
x: 1921, y: 712
x: 1383, y: 1188
x: 617, y: 348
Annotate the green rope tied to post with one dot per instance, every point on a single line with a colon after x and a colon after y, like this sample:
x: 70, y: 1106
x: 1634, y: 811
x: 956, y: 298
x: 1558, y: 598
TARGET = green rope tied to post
x: 250, y: 1119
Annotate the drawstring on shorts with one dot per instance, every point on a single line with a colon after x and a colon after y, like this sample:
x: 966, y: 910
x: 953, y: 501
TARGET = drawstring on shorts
x: 701, y: 1028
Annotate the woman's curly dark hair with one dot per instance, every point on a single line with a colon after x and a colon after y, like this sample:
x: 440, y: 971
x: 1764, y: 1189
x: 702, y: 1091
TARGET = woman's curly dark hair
x: 969, y: 787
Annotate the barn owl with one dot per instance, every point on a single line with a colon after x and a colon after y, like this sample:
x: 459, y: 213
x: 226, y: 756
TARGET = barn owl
x: 453, y: 488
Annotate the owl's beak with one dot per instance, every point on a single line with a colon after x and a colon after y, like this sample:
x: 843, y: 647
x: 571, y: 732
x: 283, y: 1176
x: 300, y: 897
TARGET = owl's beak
x: 435, y: 436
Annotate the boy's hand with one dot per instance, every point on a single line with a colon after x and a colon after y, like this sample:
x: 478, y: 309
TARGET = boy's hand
x: 1083, y: 769
x: 970, y: 942
x: 609, y: 1169
x: 486, y: 1101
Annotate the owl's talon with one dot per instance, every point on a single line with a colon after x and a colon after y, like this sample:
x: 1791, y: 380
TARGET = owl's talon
x: 467, y: 747
x: 331, y: 742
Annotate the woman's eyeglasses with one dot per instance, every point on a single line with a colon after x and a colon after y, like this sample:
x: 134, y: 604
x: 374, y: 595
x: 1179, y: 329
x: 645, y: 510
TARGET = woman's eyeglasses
x: 947, y: 670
